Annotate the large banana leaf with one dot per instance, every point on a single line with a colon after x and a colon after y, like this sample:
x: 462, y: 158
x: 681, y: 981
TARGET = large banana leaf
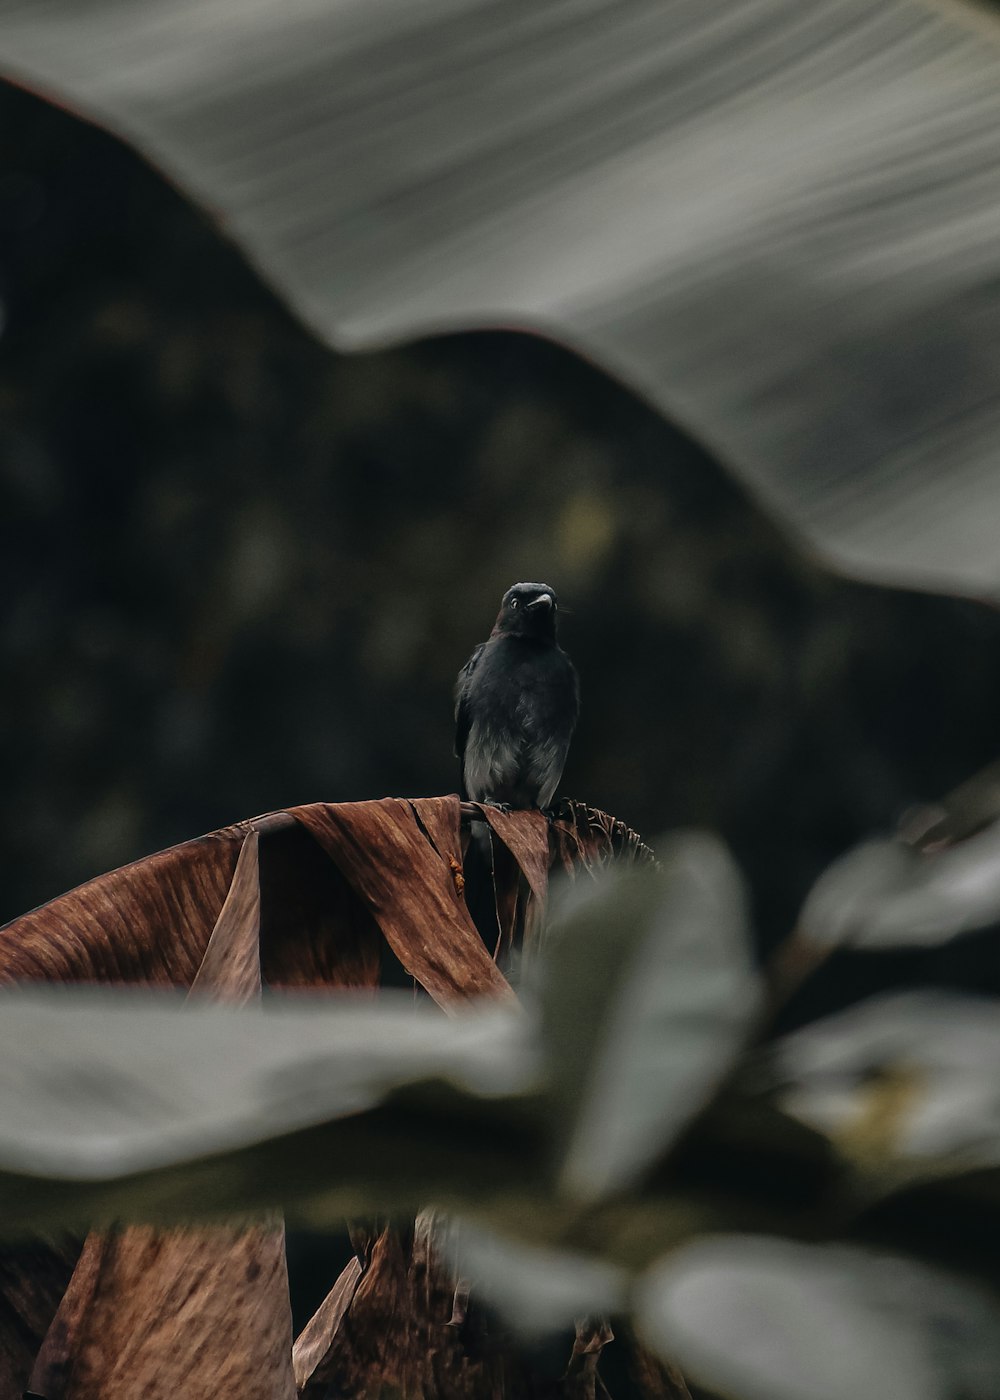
x: 776, y: 218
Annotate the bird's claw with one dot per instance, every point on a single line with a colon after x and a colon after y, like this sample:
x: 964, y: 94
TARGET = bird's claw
x: 497, y: 806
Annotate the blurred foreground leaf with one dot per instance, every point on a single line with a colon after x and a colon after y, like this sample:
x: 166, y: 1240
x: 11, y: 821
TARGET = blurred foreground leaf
x: 777, y: 221
x: 765, y: 1319
x: 537, y: 1290
x: 648, y: 992
x: 145, y: 1108
x: 121, y: 1105
x: 886, y: 894
x: 97, y: 1086
x: 901, y: 1082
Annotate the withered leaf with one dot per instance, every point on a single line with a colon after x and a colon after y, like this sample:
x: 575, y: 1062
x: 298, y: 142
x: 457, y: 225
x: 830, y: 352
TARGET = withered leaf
x: 407, y: 884
x: 213, y: 915
x: 166, y: 1313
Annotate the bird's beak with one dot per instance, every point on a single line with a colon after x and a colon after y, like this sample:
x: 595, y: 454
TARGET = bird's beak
x: 543, y: 600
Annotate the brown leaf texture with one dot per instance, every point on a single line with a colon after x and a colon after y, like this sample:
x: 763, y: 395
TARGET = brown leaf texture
x: 313, y: 897
x: 399, y: 1325
x: 383, y: 850
x: 148, y: 922
x: 525, y: 835
x: 395, y: 1324
x: 104, y: 931
x: 157, y: 1313
x: 32, y: 1280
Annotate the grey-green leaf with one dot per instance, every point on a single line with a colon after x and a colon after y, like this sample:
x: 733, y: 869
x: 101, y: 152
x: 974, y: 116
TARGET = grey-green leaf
x: 775, y: 218
x: 885, y: 894
x: 648, y: 991
x: 99, y: 1084
x: 536, y: 1289
x: 757, y: 1318
x: 923, y: 1067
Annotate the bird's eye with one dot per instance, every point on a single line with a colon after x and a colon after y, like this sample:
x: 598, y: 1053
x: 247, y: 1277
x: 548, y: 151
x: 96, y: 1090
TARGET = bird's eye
x: 513, y: 602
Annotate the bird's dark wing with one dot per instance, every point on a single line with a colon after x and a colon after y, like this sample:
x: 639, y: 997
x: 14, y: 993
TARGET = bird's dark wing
x: 462, y: 720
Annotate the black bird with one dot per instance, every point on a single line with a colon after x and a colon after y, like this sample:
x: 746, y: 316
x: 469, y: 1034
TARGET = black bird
x: 516, y: 705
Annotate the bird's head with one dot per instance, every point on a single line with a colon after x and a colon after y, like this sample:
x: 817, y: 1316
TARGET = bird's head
x: 527, y: 610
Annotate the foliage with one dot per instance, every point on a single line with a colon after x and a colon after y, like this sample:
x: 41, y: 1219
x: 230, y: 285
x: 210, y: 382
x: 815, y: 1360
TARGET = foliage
x: 642, y: 1138
x: 635, y: 1134
x: 690, y: 204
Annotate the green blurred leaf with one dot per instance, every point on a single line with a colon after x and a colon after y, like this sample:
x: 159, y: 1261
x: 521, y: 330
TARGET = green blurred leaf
x: 536, y: 1289
x: 777, y: 221
x: 764, y: 1319
x: 912, y: 1078
x: 648, y: 991
x: 885, y: 894
x: 100, y: 1084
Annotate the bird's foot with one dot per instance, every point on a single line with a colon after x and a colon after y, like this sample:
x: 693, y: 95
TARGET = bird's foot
x: 556, y: 812
x: 497, y: 806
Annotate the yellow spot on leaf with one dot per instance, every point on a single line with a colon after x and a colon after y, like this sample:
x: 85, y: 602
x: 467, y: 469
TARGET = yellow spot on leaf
x: 884, y: 1106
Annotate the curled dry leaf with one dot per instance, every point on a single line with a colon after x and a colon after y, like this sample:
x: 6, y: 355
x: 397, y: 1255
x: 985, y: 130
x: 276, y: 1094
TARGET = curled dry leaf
x: 396, y: 856
x: 429, y: 1355
x: 166, y: 1313
x: 303, y: 899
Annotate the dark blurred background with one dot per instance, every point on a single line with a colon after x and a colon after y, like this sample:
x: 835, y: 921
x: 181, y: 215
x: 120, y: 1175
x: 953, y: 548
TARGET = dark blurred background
x: 241, y: 572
